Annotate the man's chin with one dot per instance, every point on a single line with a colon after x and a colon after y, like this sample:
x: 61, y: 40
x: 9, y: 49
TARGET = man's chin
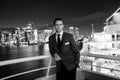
x: 59, y: 30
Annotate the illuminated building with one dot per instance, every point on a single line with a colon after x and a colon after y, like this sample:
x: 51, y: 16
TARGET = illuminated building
x: 71, y: 30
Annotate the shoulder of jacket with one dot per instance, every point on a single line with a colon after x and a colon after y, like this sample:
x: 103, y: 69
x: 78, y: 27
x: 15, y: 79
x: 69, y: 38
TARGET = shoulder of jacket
x: 51, y: 36
x: 68, y: 34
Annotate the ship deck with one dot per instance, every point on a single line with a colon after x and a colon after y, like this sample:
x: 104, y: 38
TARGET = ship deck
x: 53, y: 76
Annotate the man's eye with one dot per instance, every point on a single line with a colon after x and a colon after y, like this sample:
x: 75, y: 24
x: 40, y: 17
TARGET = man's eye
x: 58, y: 24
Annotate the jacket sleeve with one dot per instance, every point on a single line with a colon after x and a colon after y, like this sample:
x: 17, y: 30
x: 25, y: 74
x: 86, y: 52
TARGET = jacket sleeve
x: 75, y: 50
x: 51, y: 49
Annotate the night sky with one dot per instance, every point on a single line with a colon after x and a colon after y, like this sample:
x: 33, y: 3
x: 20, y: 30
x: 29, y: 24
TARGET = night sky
x: 41, y: 12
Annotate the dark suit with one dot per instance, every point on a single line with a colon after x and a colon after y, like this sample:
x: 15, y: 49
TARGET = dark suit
x: 68, y: 52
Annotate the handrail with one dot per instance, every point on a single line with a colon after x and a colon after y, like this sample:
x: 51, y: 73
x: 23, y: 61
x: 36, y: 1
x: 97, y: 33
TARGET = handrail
x: 25, y: 73
x: 102, y: 67
x: 14, y: 61
x: 48, y: 71
x: 97, y: 65
x: 100, y: 56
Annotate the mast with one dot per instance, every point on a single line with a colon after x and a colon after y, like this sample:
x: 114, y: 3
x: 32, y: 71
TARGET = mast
x: 107, y: 20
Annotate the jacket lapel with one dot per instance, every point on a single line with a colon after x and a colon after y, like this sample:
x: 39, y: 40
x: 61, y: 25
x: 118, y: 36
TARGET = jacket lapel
x: 55, y: 43
x: 62, y: 42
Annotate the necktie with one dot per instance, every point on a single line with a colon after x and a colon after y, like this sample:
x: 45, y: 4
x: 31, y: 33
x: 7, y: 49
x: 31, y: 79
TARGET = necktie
x: 58, y: 40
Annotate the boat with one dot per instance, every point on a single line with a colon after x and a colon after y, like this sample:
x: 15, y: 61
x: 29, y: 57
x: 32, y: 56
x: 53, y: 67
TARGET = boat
x: 104, y: 49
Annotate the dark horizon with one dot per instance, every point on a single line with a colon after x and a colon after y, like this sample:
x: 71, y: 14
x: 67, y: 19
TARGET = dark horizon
x: 16, y: 13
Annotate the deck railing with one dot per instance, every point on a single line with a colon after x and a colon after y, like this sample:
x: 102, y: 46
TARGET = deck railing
x: 15, y: 61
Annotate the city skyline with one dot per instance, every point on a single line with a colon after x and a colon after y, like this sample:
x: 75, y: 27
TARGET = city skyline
x: 18, y: 12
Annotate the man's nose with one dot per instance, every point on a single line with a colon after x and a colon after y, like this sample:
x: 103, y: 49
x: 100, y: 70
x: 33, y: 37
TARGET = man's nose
x: 58, y: 25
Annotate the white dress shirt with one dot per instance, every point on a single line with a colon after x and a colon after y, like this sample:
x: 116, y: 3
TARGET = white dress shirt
x: 61, y: 34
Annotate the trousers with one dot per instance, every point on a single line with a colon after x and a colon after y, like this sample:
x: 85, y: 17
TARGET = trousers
x: 65, y: 74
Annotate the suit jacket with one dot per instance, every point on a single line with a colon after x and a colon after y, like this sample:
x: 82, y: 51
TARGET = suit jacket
x: 69, y: 51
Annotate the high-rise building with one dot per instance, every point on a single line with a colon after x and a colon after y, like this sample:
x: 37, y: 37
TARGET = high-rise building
x: 71, y: 30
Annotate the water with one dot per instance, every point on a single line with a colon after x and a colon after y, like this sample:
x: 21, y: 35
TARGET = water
x: 10, y: 53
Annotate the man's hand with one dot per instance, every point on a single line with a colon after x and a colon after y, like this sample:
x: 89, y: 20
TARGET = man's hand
x: 57, y: 57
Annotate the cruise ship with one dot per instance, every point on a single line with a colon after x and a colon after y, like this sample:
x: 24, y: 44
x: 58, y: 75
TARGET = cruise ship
x: 103, y: 49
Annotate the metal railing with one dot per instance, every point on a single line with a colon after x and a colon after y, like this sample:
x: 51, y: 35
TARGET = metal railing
x: 87, y: 63
x: 15, y: 61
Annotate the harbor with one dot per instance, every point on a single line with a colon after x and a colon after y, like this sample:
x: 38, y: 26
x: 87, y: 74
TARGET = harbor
x: 26, y: 62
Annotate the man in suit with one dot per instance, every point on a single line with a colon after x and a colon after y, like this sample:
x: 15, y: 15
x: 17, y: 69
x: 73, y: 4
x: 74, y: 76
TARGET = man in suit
x: 63, y: 49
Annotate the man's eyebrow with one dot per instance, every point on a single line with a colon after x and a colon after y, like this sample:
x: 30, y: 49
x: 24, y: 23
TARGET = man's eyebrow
x: 57, y: 24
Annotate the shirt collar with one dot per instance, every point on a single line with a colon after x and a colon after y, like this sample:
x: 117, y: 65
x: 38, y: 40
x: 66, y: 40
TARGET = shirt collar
x: 61, y: 33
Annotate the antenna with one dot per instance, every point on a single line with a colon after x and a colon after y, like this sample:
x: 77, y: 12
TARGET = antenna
x: 92, y: 25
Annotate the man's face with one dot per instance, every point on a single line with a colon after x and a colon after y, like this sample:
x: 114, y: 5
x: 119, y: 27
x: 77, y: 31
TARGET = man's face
x: 59, y: 26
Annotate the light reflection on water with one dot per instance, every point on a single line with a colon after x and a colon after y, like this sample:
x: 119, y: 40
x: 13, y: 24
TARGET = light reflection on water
x: 30, y: 51
x: 15, y: 53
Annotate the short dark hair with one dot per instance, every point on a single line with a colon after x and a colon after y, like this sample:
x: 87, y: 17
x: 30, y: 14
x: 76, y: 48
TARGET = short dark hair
x: 57, y: 19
